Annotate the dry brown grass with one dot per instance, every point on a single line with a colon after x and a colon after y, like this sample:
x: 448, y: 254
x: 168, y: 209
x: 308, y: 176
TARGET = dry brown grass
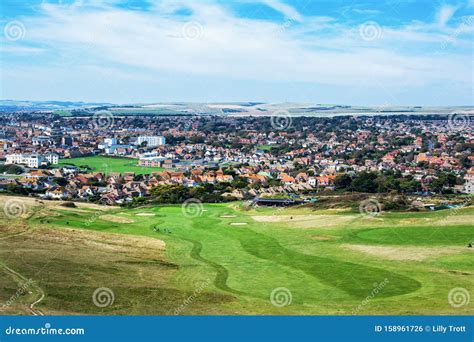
x: 31, y: 203
x: 58, y: 259
x: 116, y: 219
x: 107, y: 241
x: 307, y: 221
x: 322, y: 237
x: 405, y: 253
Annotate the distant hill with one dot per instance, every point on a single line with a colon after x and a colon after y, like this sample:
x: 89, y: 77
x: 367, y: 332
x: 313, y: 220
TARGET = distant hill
x: 71, y: 108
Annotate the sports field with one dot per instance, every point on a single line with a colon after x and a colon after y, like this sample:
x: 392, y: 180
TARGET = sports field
x: 225, y: 259
x: 110, y: 164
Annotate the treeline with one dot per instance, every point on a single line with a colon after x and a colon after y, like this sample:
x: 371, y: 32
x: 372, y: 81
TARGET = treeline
x: 390, y: 181
x: 11, y: 169
x: 177, y: 194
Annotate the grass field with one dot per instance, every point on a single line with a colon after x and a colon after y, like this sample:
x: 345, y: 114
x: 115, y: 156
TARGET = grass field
x: 230, y: 260
x: 110, y: 164
x: 266, y: 147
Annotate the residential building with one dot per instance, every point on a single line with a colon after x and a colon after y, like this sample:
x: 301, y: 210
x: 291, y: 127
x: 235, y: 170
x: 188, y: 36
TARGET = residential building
x: 151, y: 141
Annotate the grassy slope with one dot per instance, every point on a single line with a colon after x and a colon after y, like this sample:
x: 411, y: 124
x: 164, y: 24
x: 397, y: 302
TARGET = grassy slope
x: 248, y: 262
x: 110, y: 164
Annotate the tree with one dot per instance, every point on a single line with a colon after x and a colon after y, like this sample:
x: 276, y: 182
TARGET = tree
x: 239, y: 183
x: 466, y: 162
x: 11, y: 169
x: 170, y: 193
x: 365, y: 182
x: 343, y: 182
x: 16, y: 189
x: 61, y: 181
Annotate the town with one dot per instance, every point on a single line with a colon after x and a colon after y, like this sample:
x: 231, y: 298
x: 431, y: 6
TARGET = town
x: 221, y: 158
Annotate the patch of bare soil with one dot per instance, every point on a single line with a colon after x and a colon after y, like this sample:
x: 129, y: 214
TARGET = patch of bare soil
x: 116, y: 219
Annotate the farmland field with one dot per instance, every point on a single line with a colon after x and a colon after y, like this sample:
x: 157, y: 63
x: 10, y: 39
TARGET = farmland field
x: 110, y: 164
x: 226, y: 259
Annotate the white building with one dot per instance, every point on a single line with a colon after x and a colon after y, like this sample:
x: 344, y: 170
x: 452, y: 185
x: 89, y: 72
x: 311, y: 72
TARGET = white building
x: 468, y: 187
x: 151, y: 141
x: 110, y: 141
x: 52, y: 158
x: 42, y: 141
x: 107, y: 143
x: 32, y: 160
x: 14, y: 159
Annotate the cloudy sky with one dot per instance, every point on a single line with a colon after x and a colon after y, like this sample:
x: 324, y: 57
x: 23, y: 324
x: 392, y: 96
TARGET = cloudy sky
x: 381, y: 52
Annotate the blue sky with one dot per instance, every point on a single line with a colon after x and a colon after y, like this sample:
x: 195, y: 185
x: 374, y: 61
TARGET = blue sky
x: 392, y: 52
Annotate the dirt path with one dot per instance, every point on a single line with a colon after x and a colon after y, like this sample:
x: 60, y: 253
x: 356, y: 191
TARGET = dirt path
x: 22, y: 280
x: 15, y: 234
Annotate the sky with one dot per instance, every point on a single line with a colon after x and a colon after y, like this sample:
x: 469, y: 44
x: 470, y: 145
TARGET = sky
x: 353, y: 52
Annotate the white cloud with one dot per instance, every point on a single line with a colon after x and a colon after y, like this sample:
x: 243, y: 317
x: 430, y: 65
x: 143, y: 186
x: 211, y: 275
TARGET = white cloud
x: 444, y: 14
x: 288, y: 11
x: 20, y: 50
x: 237, y: 48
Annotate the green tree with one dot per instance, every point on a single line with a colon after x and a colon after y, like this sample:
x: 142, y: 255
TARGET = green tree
x: 365, y: 182
x: 343, y: 181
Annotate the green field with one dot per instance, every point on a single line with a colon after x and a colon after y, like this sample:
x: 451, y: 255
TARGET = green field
x: 266, y: 147
x: 229, y: 260
x: 110, y: 164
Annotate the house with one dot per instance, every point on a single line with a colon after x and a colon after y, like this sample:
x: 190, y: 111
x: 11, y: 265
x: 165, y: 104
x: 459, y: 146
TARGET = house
x: 312, y: 181
x: 86, y: 191
x: 326, y: 180
x: 468, y: 187
x: 57, y: 192
x: 224, y: 178
x: 287, y: 179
